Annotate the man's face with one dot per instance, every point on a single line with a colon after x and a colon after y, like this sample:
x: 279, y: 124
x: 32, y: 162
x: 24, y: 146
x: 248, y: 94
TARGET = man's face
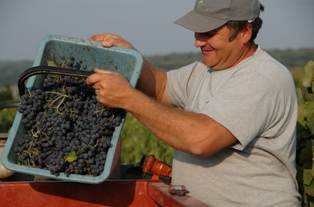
x: 218, y: 52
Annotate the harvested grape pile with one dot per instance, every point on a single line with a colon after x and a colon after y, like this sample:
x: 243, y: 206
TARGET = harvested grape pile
x: 66, y: 129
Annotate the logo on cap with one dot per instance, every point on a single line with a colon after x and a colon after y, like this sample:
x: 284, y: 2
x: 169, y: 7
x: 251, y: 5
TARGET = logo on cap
x: 199, y: 5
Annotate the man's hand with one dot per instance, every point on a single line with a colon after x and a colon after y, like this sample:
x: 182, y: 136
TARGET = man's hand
x: 111, y: 88
x: 109, y: 40
x: 152, y: 81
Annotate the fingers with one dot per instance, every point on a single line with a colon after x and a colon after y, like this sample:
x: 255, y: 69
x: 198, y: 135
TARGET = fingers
x: 103, y: 71
x: 93, y: 79
x: 109, y: 40
x: 97, y: 37
x: 97, y: 76
x: 101, y: 37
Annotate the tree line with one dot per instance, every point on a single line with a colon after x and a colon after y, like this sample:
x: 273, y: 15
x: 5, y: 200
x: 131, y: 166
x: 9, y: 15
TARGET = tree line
x: 291, y: 58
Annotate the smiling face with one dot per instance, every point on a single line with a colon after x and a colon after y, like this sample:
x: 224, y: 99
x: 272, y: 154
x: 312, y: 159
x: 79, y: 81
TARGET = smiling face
x: 219, y: 52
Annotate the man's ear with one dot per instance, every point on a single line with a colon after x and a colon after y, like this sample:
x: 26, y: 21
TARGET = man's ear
x: 246, y: 33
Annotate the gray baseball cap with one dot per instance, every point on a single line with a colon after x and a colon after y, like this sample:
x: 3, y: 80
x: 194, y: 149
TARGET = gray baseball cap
x: 208, y: 15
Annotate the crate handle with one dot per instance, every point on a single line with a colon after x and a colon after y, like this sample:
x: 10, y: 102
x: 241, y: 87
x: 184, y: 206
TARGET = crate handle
x: 49, y: 70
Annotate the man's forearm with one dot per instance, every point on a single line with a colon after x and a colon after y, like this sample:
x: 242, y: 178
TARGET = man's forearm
x: 186, y: 131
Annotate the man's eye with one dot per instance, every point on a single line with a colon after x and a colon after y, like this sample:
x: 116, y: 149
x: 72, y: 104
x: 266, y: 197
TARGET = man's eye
x: 205, y: 34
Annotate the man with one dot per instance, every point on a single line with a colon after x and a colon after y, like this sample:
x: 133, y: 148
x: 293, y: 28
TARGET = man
x: 231, y: 117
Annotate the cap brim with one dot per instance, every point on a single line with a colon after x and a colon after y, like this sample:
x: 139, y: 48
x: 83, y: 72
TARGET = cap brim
x: 199, y: 23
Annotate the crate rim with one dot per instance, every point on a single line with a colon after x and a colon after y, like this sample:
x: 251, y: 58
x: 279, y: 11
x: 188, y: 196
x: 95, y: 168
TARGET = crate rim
x: 85, y: 42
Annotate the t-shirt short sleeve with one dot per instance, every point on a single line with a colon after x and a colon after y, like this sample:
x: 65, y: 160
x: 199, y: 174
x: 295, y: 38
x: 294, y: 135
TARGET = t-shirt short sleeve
x: 243, y: 106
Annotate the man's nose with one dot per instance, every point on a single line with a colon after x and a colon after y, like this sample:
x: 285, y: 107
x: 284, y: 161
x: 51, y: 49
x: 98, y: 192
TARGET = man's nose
x: 199, y: 42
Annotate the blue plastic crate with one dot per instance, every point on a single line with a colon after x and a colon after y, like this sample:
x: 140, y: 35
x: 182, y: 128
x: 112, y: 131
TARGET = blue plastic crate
x: 58, y: 49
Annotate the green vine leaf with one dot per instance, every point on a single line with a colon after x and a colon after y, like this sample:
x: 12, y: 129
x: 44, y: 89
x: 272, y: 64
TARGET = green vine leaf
x: 70, y: 157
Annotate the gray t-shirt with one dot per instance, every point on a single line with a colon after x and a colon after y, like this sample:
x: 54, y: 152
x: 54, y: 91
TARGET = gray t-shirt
x: 256, y: 101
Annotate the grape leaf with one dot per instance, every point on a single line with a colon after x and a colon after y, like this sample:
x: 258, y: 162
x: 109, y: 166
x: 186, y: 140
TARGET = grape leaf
x: 70, y: 157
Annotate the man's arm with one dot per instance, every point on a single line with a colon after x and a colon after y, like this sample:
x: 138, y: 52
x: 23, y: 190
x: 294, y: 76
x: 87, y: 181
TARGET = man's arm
x: 152, y: 82
x: 187, y: 131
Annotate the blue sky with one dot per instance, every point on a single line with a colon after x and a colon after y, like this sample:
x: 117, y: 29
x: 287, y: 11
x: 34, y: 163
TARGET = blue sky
x: 147, y: 24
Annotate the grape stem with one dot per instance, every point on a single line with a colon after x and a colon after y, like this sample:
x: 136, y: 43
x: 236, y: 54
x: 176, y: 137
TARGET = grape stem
x: 61, y: 96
